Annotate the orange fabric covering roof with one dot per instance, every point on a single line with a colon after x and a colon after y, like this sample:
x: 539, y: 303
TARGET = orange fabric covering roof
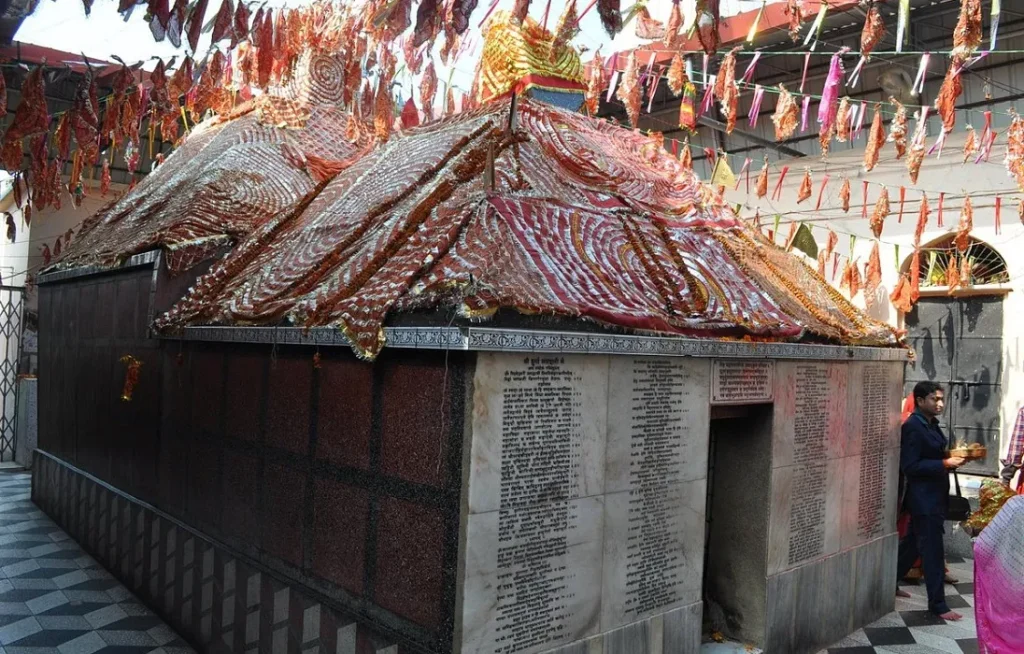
x: 577, y: 218
x: 230, y: 175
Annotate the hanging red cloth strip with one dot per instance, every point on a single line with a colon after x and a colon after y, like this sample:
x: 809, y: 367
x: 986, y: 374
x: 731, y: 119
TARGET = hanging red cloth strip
x: 942, y: 196
x: 999, y: 222
x: 988, y: 126
x: 903, y: 195
x: 835, y: 265
x: 675, y: 148
x: 744, y: 170
x: 777, y: 193
x: 821, y: 192
x: 864, y: 203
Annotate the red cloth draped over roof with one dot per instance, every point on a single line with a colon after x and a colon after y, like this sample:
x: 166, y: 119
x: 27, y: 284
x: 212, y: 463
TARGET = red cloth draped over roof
x: 585, y: 220
x: 231, y: 174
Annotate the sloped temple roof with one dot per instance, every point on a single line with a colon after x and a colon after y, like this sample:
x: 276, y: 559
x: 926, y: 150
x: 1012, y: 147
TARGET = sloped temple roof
x: 231, y: 174
x: 576, y: 218
x: 516, y: 205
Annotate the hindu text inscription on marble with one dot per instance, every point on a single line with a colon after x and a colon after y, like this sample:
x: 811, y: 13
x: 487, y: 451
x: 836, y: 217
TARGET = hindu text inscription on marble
x: 658, y: 415
x: 741, y: 382
x: 540, y: 465
x: 877, y: 405
x: 810, y: 420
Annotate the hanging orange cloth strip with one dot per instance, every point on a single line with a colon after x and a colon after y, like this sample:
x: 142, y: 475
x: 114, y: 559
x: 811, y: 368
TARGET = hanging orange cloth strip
x: 903, y: 195
x: 821, y: 192
x: 864, y: 204
x: 942, y: 196
x: 776, y: 194
x: 999, y: 222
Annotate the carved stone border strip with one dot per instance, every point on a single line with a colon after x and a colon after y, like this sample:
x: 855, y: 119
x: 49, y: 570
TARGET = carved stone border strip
x: 513, y: 340
x: 144, y: 259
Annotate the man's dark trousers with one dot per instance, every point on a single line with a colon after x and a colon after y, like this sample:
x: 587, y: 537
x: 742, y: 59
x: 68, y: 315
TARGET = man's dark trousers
x: 925, y: 540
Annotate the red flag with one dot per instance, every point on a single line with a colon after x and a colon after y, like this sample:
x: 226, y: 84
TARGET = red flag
x: 864, y: 204
x: 942, y: 196
x: 776, y: 194
x: 999, y: 207
x: 821, y: 192
x: 903, y: 195
x: 410, y: 115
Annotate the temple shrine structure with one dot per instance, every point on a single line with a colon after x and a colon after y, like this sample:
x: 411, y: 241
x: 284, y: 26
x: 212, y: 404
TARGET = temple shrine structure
x: 509, y: 382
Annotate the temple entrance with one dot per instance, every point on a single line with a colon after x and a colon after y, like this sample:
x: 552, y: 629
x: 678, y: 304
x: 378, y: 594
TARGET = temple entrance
x: 959, y: 340
x: 735, y: 554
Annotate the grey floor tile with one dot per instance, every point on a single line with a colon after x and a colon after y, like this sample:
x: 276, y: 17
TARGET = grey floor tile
x: 120, y: 594
x: 17, y: 649
x: 135, y: 638
x: 14, y: 608
x: 88, y: 596
x: 63, y: 622
x: 32, y: 583
x: 18, y: 630
x: 162, y: 634
x: 70, y: 579
x: 25, y: 565
x: 941, y: 643
x: 88, y: 643
x: 105, y: 616
x: 46, y: 602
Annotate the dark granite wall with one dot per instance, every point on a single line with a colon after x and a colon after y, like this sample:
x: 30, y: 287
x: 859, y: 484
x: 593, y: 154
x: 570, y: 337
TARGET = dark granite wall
x: 345, y: 478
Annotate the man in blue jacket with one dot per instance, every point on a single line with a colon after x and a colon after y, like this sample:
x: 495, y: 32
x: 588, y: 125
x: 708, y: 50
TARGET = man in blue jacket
x: 925, y: 465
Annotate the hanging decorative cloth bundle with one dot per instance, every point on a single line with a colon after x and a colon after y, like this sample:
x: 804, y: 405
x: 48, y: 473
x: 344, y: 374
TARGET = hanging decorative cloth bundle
x: 786, y: 116
x: 844, y: 195
x: 688, y: 108
x: 762, y: 181
x: 963, y: 231
x: 843, y: 120
x: 876, y: 139
x: 677, y: 78
x: 805, y: 187
x: 629, y: 89
x: 898, y: 128
x: 880, y: 213
x: 967, y: 33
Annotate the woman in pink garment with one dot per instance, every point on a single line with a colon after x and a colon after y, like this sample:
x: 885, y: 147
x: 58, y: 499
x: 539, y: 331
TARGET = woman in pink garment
x: 999, y: 581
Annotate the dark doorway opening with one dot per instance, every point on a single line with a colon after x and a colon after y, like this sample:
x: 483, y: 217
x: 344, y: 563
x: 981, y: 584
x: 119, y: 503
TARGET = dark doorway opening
x: 736, y: 551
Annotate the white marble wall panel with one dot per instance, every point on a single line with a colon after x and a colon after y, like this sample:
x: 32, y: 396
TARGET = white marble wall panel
x: 555, y: 441
x: 811, y: 412
x: 805, y: 509
x: 523, y: 595
x: 658, y: 408
x: 875, y: 398
x: 643, y: 576
x: 536, y: 380
x: 869, y: 506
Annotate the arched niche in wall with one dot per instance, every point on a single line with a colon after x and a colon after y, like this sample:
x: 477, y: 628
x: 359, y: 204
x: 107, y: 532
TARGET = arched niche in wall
x: 980, y: 267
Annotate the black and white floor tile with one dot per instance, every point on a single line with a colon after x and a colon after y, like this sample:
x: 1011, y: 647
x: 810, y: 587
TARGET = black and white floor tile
x: 912, y: 629
x: 54, y: 598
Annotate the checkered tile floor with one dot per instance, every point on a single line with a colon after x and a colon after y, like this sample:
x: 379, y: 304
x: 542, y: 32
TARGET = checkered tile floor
x: 912, y: 629
x: 56, y: 598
